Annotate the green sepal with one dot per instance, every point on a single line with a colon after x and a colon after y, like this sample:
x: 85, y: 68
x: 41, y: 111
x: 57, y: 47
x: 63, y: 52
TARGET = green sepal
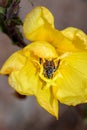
x: 17, y: 21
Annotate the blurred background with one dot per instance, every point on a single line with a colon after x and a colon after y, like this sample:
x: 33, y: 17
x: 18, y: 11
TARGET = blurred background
x: 26, y: 114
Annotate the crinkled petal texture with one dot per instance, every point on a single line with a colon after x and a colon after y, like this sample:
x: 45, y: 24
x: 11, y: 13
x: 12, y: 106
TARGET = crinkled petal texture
x: 30, y: 84
x: 38, y: 27
x: 23, y: 71
x: 41, y: 49
x: 71, y: 84
x: 18, y: 59
x: 15, y: 62
x: 37, y: 18
x: 78, y: 37
x: 25, y: 80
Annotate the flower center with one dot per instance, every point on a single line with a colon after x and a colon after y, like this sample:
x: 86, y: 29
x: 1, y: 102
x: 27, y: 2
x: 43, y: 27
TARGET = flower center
x: 49, y: 67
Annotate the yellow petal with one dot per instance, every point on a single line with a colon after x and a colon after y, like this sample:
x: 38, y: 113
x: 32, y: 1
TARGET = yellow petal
x: 25, y: 81
x: 35, y: 19
x: 71, y: 83
x: 41, y: 49
x: 47, y: 101
x: 78, y: 37
x: 55, y: 37
x: 38, y: 25
x: 15, y: 62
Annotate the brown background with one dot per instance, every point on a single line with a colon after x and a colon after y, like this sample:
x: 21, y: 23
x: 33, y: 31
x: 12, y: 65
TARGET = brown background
x: 16, y: 114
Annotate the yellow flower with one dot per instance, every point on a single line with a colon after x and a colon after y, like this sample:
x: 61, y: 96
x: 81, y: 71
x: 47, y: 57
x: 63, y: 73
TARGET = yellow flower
x: 53, y: 67
x: 28, y: 76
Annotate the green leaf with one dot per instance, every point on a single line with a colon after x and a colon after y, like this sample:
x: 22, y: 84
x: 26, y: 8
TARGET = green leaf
x: 17, y: 21
x: 2, y: 10
x: 8, y: 3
